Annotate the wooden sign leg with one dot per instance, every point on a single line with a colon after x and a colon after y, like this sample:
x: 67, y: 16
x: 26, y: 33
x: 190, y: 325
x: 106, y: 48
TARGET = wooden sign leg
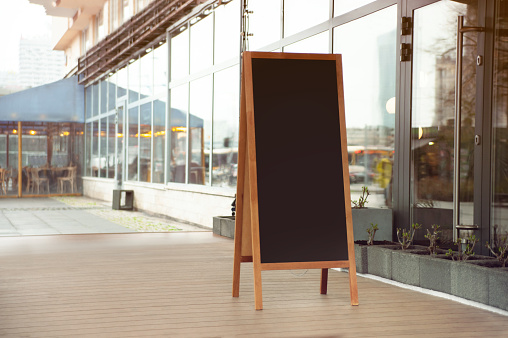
x: 353, y: 286
x: 324, y: 281
x: 258, y: 289
x: 237, y: 260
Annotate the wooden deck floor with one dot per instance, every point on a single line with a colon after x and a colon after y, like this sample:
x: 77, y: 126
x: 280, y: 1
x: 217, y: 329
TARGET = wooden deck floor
x: 179, y: 284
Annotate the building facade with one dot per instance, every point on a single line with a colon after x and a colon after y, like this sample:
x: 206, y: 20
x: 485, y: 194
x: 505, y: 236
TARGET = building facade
x: 162, y: 100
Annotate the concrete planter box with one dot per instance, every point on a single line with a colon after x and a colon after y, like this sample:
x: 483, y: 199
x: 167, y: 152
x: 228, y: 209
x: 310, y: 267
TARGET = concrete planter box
x: 361, y: 257
x: 471, y: 279
x: 224, y: 226
x: 380, y: 260
x: 364, y: 216
x: 406, y: 267
x: 435, y: 274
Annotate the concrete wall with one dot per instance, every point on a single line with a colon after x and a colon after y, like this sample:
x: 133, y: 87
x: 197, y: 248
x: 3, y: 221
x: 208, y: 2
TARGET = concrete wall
x: 190, y: 203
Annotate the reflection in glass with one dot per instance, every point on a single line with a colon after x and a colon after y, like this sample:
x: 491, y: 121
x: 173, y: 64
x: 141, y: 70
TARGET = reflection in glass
x: 180, y: 55
x: 111, y: 92
x: 159, y: 139
x: 314, y: 44
x: 225, y: 130
x: 121, y: 82
x: 95, y: 149
x: 343, y: 6
x: 95, y: 100
x: 103, y: 153
x: 499, y: 186
x: 264, y: 23
x: 120, y: 150
x: 178, y: 141
x: 132, y: 150
x: 145, y: 145
x: 300, y: 15
x: 227, y: 28
x: 369, y: 84
x: 111, y: 156
x: 433, y: 116
x: 88, y: 155
x: 146, y: 75
x: 200, y: 129
x: 160, y: 61
x: 134, y: 81
x: 201, y: 44
x: 88, y: 102
x: 104, y: 96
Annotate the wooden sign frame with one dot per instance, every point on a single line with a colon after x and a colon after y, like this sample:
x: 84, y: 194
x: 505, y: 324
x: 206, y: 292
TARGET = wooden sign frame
x: 247, y: 235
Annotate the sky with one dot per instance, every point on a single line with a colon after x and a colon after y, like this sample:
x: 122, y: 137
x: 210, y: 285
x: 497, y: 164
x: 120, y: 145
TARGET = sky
x: 19, y: 18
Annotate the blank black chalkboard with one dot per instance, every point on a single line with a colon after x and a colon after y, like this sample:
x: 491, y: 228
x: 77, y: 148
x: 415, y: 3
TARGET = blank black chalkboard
x: 293, y: 208
x: 298, y: 155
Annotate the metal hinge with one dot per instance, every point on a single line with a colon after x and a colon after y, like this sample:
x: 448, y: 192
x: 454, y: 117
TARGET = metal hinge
x: 405, y: 52
x: 407, y: 25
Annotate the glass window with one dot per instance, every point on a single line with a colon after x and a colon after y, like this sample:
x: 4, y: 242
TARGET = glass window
x: 369, y: 91
x: 227, y: 30
x: 300, y: 15
x: 160, y: 61
x: 140, y: 5
x: 159, y: 139
x: 180, y: 55
x: 343, y: 6
x: 134, y: 81
x: 120, y: 148
x: 499, y: 187
x: 88, y: 157
x: 111, y: 92
x: 95, y: 100
x: 200, y: 129
x: 225, y: 127
x: 100, y: 24
x: 264, y: 23
x: 127, y: 10
x: 145, y: 146
x: 121, y: 82
x: 103, y: 147
x: 147, y: 75
x: 178, y: 141
x: 111, y: 157
x: 104, y: 96
x: 314, y: 44
x: 95, y: 149
x: 88, y: 101
x: 114, y: 14
x: 201, y: 44
x: 132, y: 153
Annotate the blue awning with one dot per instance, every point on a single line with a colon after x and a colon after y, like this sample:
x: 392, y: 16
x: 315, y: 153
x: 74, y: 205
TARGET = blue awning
x: 60, y: 101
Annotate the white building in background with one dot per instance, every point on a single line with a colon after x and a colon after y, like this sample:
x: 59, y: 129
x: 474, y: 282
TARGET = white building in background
x: 39, y: 63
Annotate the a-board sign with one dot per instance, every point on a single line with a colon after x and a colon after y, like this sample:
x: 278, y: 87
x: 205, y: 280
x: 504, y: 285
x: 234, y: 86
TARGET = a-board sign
x: 293, y: 198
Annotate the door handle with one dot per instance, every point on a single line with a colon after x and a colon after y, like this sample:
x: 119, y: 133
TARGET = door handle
x: 461, y: 29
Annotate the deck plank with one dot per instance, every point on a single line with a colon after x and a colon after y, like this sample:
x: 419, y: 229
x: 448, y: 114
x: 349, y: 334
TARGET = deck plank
x: 179, y: 285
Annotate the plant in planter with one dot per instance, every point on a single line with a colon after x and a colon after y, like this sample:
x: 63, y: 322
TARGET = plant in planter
x: 433, y: 237
x: 463, y: 255
x: 372, y: 232
x: 501, y: 244
x: 362, y: 200
x: 405, y: 237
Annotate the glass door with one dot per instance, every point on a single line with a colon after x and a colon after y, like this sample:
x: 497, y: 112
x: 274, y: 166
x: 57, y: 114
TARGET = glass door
x: 499, y: 184
x: 444, y: 119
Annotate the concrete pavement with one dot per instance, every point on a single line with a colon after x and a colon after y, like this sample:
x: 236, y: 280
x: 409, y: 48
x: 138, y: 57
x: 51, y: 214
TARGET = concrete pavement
x: 77, y: 215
